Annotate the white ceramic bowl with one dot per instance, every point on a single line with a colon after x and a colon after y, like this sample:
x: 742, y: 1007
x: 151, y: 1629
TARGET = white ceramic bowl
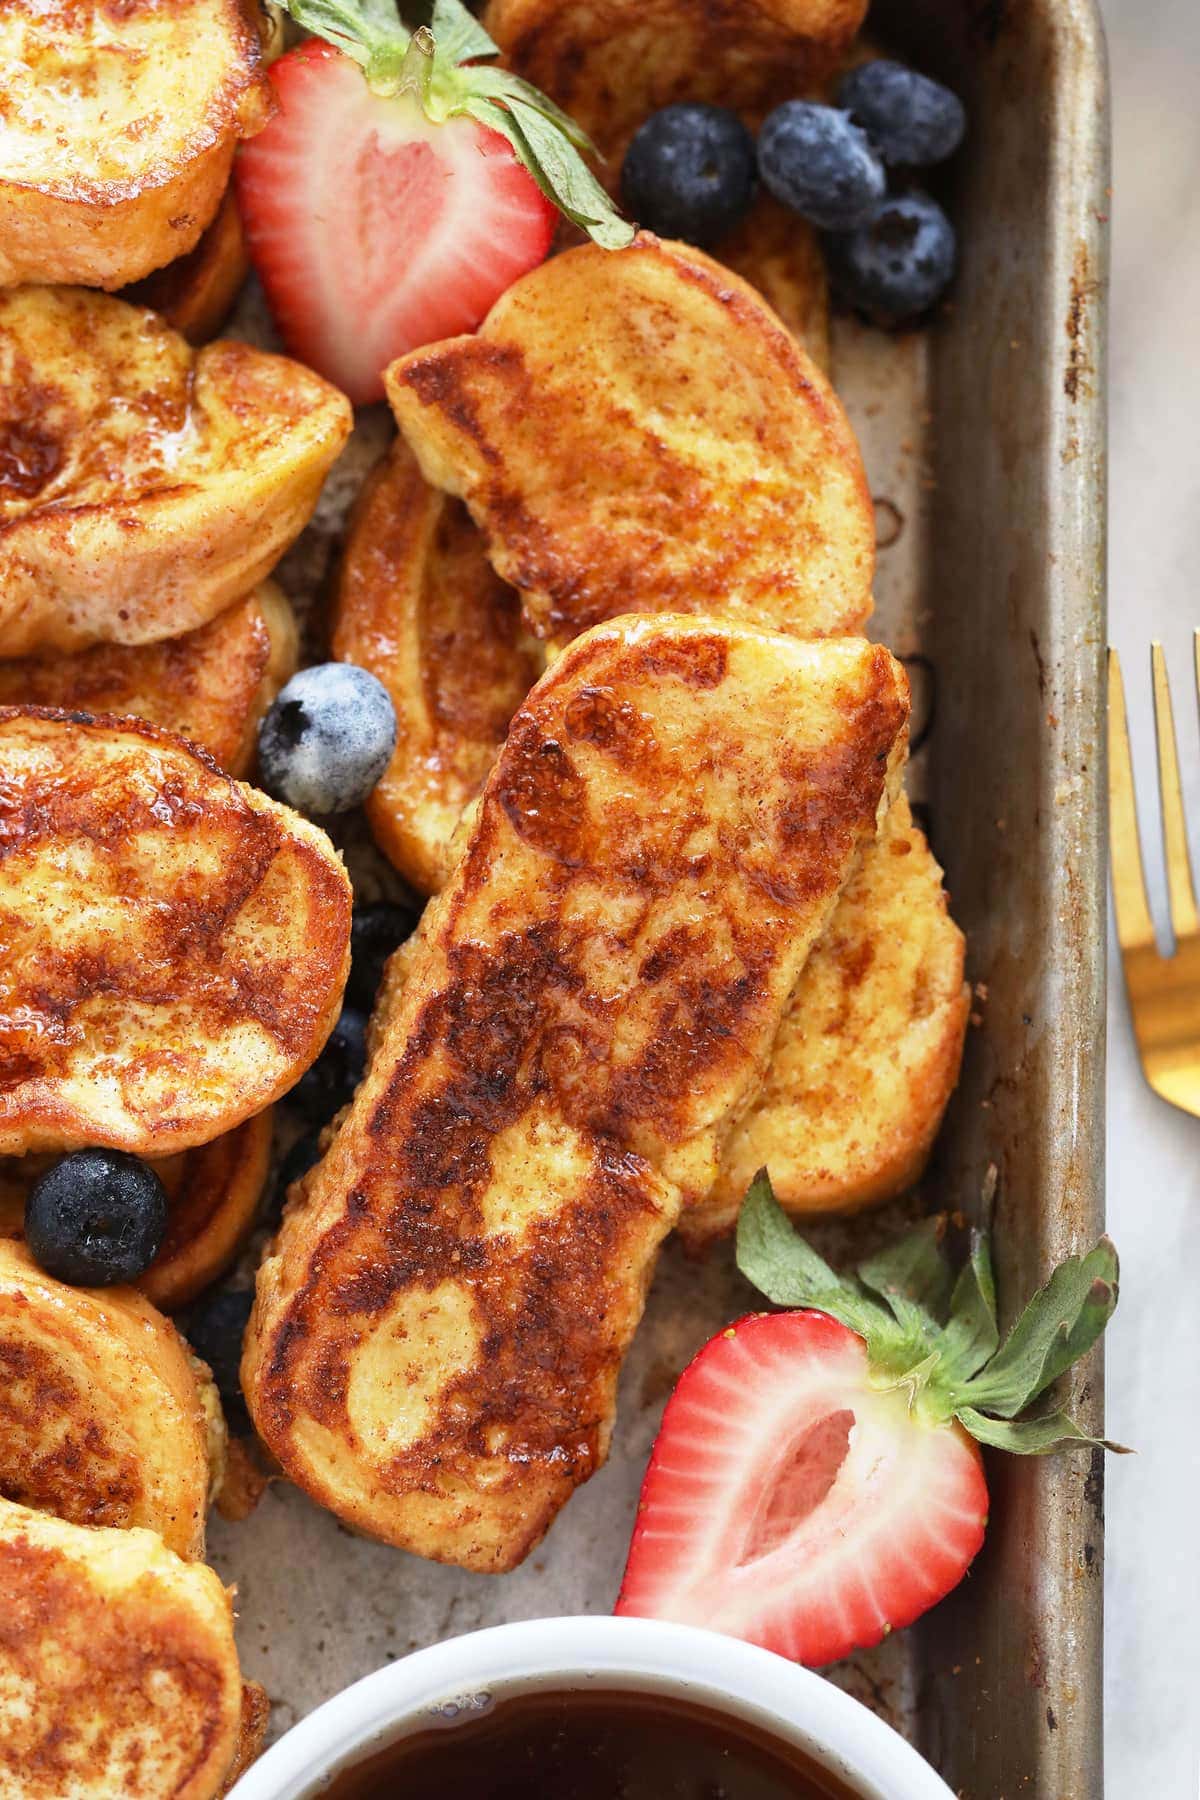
x: 718, y: 1672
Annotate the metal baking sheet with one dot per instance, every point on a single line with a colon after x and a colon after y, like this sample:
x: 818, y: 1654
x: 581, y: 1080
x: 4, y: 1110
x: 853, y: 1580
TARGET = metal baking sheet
x: 984, y: 440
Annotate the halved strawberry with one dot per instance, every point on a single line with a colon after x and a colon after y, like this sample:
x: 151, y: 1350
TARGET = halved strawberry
x: 816, y: 1481
x: 401, y: 187
x: 791, y: 1504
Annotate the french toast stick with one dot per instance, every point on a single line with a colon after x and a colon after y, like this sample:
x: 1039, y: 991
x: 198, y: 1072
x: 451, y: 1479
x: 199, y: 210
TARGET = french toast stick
x: 437, y: 1334
x: 611, y: 63
x: 120, y: 127
x: 195, y: 294
x: 868, y: 1052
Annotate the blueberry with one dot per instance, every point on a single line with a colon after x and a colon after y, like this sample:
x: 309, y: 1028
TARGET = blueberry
x: 215, y: 1328
x: 817, y: 161
x: 897, y: 264
x: 689, y: 172
x: 96, y: 1218
x: 375, y: 932
x: 909, y: 118
x: 327, y: 738
x: 331, y: 1081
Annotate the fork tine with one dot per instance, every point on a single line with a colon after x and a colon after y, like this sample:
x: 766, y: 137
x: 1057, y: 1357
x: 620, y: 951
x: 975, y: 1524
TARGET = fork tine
x: 1184, y: 922
x: 1135, y: 927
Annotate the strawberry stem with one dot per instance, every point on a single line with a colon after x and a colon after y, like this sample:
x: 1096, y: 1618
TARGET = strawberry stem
x: 411, y: 74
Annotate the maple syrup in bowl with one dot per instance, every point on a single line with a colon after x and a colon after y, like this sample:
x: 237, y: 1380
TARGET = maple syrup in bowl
x: 584, y: 1744
x: 592, y: 1709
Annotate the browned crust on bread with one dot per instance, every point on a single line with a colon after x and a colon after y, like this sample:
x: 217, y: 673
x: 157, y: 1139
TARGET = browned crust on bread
x: 210, y: 685
x: 120, y: 1673
x: 205, y: 971
x: 436, y: 1338
x: 686, y: 455
x: 196, y: 292
x: 75, y: 220
x: 252, y: 1733
x: 781, y: 257
x: 144, y: 487
x: 214, y: 1193
x: 419, y: 605
x: 869, y: 1050
x: 101, y: 1421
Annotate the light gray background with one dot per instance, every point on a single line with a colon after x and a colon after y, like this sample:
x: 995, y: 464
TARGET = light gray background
x: 1153, y: 1358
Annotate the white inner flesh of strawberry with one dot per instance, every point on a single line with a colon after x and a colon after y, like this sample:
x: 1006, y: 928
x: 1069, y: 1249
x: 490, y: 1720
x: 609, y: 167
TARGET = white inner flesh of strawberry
x: 393, y: 203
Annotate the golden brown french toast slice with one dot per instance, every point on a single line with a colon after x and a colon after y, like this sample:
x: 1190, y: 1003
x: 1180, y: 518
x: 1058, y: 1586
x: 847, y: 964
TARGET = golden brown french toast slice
x: 212, y: 685
x: 635, y: 431
x: 118, y: 1672
x: 437, y: 1334
x: 868, y: 1052
x: 196, y: 292
x: 611, y: 63
x: 119, y: 131
x: 176, y: 944
x: 102, y: 1418
x: 420, y: 606
x: 144, y: 486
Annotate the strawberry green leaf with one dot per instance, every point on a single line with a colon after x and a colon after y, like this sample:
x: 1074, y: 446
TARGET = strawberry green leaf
x: 936, y: 1337
x: 972, y: 1333
x: 369, y: 31
x: 563, y: 176
x: 1031, y: 1437
x: 1061, y: 1322
x: 504, y: 87
x: 458, y: 34
x: 912, y: 1275
x: 773, y: 1255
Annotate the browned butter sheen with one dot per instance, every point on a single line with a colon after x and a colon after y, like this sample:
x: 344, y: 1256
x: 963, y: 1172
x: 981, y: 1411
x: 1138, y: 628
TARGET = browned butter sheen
x: 584, y: 1744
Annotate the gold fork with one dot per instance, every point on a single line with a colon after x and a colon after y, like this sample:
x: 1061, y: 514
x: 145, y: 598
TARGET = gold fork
x: 1164, y: 991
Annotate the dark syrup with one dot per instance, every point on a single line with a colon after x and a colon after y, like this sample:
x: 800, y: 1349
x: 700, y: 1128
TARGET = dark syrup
x: 588, y: 1745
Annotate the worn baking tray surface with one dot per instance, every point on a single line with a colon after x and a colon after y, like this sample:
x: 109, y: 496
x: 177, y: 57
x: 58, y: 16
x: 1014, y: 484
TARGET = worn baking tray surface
x: 983, y: 439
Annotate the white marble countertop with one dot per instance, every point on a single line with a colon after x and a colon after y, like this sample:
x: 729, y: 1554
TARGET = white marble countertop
x: 1153, y: 1357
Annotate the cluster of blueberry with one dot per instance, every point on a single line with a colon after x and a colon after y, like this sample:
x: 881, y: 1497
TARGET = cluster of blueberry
x: 692, y: 170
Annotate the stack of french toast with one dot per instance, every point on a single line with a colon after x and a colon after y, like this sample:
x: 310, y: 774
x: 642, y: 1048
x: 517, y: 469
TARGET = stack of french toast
x: 615, y: 573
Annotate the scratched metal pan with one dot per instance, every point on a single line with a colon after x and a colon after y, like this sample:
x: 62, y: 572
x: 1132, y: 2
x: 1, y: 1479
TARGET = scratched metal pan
x: 984, y: 439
